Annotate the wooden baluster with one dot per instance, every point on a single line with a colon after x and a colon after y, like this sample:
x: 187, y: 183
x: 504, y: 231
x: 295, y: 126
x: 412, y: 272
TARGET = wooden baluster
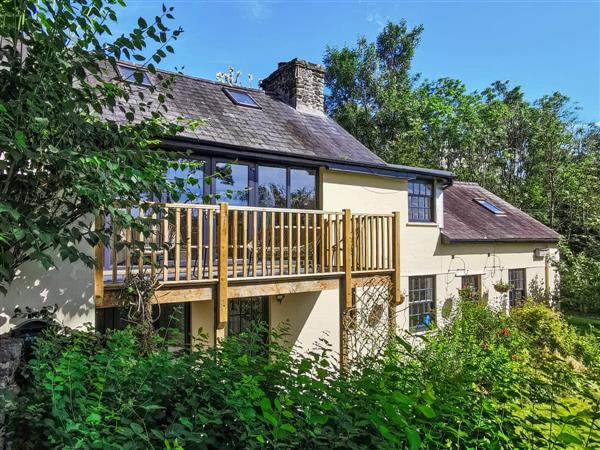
x: 298, y: 243
x: 245, y: 243
x: 281, y: 245
x: 200, y: 261
x: 371, y: 249
x: 210, y: 250
x: 289, y: 221
x: 234, y: 229
x: 113, y: 254
x: 322, y: 244
x: 390, y: 242
x: 153, y: 243
x: 263, y: 229
x: 338, y: 242
x: 188, y: 244
x: 314, y: 243
x: 354, y: 245
x: 165, y: 230
x: 128, y: 240
x: 177, y: 243
x: 99, y: 264
x: 254, y: 242
x: 378, y: 244
x: 272, y: 221
x: 306, y: 244
x: 141, y: 242
x: 331, y: 243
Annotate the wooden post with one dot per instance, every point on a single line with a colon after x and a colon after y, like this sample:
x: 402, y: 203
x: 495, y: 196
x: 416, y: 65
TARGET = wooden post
x: 346, y: 298
x: 221, y: 300
x: 347, y: 259
x: 396, y: 258
x: 547, y: 277
x: 99, y: 269
x: 396, y: 294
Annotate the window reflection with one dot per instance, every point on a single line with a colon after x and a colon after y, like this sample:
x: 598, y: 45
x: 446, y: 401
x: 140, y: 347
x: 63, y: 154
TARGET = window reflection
x: 189, y: 191
x: 231, y: 182
x: 302, y: 187
x: 272, y: 192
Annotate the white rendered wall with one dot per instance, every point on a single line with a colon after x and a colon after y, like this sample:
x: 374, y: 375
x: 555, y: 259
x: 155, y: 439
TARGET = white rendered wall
x: 70, y: 285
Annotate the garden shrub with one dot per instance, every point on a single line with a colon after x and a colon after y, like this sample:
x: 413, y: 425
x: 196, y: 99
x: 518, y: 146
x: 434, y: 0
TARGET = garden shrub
x: 484, y: 381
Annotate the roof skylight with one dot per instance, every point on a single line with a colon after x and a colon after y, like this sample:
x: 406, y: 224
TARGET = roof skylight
x: 128, y: 73
x: 489, y: 206
x: 241, y: 98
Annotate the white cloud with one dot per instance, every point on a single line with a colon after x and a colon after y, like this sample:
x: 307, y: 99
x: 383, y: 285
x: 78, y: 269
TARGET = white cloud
x: 256, y: 9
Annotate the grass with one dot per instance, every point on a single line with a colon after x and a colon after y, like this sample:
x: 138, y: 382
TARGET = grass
x: 582, y: 322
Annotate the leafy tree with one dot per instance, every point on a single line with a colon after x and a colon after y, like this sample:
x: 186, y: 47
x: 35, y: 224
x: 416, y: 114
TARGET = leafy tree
x: 531, y: 153
x: 71, y: 142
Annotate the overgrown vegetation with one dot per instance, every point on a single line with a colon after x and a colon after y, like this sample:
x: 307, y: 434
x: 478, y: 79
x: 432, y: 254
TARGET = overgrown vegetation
x: 485, y: 381
x: 75, y: 136
x: 534, y: 154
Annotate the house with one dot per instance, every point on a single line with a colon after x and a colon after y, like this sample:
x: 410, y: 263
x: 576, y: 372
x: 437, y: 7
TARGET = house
x: 319, y: 232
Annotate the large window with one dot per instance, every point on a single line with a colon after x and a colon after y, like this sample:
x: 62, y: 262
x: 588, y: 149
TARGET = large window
x: 421, y: 301
x: 302, y: 189
x: 232, y: 183
x: 420, y: 201
x: 173, y: 321
x: 243, y: 312
x: 282, y: 187
x: 516, y: 280
x: 180, y: 177
x: 272, y: 186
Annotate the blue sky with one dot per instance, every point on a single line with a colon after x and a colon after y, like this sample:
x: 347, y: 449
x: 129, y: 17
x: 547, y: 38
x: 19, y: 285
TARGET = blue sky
x: 543, y: 46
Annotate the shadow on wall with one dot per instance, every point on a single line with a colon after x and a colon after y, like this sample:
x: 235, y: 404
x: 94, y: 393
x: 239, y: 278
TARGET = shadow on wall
x: 70, y: 285
x: 296, y: 311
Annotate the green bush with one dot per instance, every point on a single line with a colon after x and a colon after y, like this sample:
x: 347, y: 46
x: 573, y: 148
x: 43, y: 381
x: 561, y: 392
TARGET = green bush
x: 483, y: 381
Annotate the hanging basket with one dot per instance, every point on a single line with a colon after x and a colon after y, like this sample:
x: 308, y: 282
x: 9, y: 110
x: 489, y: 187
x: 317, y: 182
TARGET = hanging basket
x: 502, y: 287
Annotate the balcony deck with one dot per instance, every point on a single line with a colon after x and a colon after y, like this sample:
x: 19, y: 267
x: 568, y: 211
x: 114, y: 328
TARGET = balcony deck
x: 201, y: 252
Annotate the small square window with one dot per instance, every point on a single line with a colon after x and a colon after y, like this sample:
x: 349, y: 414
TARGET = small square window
x: 128, y: 74
x: 241, y: 98
x: 489, y: 206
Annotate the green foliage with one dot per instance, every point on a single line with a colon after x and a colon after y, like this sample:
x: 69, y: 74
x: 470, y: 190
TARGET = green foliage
x: 533, y: 154
x: 63, y: 159
x: 484, y: 381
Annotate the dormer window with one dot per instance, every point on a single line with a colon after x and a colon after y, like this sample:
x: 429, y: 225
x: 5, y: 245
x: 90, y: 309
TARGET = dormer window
x: 241, y: 98
x: 489, y: 206
x: 128, y: 73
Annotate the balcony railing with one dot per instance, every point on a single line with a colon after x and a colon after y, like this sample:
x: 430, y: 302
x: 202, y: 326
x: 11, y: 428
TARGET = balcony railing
x: 183, y: 245
x: 198, y: 244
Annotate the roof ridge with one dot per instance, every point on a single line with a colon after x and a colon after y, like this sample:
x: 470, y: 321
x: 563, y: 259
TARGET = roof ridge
x: 467, y: 183
x: 192, y: 77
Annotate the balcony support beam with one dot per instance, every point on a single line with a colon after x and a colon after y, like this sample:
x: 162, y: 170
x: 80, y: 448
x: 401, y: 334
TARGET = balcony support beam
x: 346, y: 300
x: 99, y: 268
x: 222, y: 285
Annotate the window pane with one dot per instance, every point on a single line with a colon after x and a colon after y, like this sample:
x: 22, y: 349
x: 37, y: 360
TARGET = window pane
x: 272, y: 192
x: 302, y: 187
x: 181, y: 175
x: 232, y: 183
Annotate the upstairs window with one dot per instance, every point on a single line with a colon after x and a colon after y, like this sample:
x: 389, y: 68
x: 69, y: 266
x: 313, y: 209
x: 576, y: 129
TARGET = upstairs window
x: 489, y: 206
x: 128, y: 73
x: 241, y: 98
x: 420, y: 201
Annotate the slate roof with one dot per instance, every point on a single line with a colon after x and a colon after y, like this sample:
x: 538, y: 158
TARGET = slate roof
x: 275, y: 127
x: 465, y: 220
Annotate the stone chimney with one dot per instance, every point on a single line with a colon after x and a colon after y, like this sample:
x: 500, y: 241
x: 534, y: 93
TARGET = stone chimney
x: 299, y: 83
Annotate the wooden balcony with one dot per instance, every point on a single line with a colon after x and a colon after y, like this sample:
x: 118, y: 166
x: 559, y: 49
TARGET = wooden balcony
x: 201, y: 252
